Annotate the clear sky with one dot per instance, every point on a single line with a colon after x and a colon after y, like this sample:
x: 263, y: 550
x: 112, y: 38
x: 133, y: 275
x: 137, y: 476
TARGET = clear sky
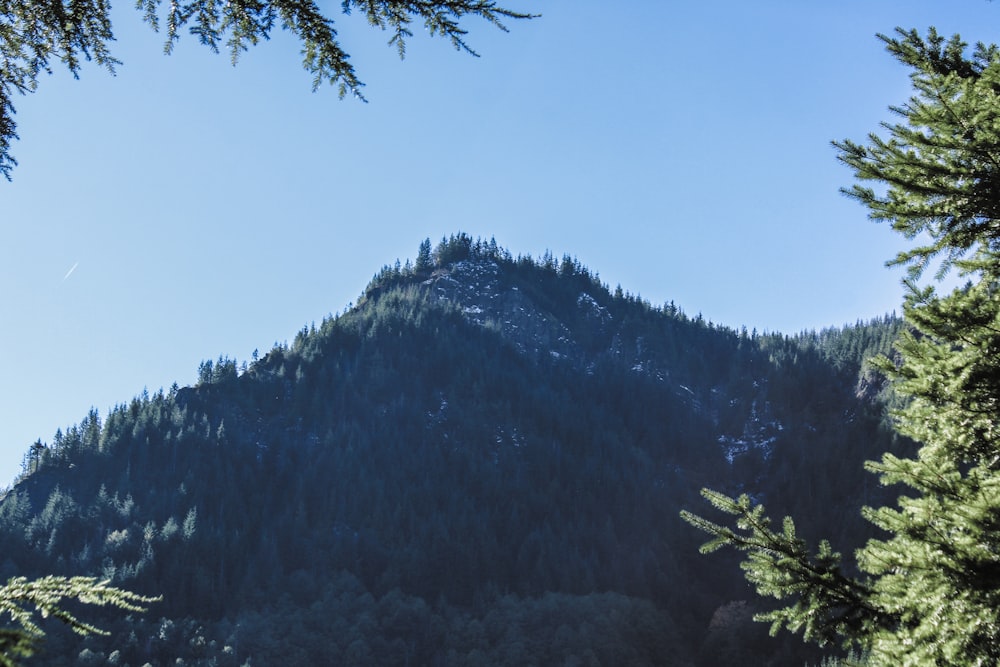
x: 186, y: 209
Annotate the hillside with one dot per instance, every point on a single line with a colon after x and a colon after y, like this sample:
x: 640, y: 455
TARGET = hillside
x: 482, y: 462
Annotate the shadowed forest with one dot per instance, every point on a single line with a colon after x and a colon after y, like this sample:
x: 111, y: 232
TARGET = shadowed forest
x: 481, y: 462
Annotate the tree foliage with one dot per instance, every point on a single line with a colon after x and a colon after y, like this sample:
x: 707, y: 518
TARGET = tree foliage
x: 928, y: 591
x: 24, y: 601
x: 35, y: 33
x: 779, y: 564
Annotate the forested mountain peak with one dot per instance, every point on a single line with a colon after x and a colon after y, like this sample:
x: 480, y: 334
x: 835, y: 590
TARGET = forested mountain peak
x: 562, y: 312
x: 481, y: 462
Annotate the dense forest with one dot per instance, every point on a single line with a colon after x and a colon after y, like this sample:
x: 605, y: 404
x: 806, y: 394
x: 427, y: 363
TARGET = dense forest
x: 481, y: 462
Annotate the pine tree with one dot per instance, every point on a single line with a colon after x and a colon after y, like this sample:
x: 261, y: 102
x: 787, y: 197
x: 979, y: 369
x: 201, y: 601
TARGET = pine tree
x: 424, y: 263
x: 929, y: 593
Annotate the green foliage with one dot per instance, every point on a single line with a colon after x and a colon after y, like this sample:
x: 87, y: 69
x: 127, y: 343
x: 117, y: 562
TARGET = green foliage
x: 423, y: 264
x: 31, y: 34
x: 35, y: 32
x: 453, y: 249
x: 24, y: 601
x: 221, y: 371
x: 852, y: 659
x: 938, y: 169
x: 931, y: 588
x: 827, y: 605
x: 939, y: 572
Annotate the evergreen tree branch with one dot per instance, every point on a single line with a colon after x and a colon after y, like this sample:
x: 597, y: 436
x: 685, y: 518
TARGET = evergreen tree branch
x: 24, y: 601
x: 826, y: 603
x: 33, y: 33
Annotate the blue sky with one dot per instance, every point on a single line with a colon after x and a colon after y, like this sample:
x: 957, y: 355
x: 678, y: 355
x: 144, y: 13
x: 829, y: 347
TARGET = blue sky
x: 186, y: 209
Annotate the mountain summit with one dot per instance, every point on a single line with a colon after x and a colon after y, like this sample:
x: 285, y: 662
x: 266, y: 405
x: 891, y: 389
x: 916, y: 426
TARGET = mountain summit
x: 482, y: 462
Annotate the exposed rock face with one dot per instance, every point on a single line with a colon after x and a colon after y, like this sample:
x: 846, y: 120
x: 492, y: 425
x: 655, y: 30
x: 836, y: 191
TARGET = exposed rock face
x: 488, y: 296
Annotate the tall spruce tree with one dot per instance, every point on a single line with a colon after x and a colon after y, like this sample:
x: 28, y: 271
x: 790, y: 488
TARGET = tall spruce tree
x: 928, y: 593
x: 424, y: 263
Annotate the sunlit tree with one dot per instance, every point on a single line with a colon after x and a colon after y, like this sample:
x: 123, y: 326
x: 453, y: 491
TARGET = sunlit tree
x: 929, y: 591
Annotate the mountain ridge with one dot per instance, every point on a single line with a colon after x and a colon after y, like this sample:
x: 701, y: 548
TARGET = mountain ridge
x: 478, y: 439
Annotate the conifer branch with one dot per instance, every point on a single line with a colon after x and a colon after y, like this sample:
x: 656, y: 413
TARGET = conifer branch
x: 35, y: 32
x: 24, y: 601
x: 826, y: 603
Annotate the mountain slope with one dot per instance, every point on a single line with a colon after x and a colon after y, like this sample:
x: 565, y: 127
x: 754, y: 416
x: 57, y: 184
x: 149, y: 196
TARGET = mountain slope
x: 480, y: 463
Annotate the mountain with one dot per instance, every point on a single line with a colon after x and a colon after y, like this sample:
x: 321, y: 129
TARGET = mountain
x: 480, y: 463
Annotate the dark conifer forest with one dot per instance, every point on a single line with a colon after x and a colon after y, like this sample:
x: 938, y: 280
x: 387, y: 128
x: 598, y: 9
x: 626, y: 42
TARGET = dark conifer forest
x: 482, y: 462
